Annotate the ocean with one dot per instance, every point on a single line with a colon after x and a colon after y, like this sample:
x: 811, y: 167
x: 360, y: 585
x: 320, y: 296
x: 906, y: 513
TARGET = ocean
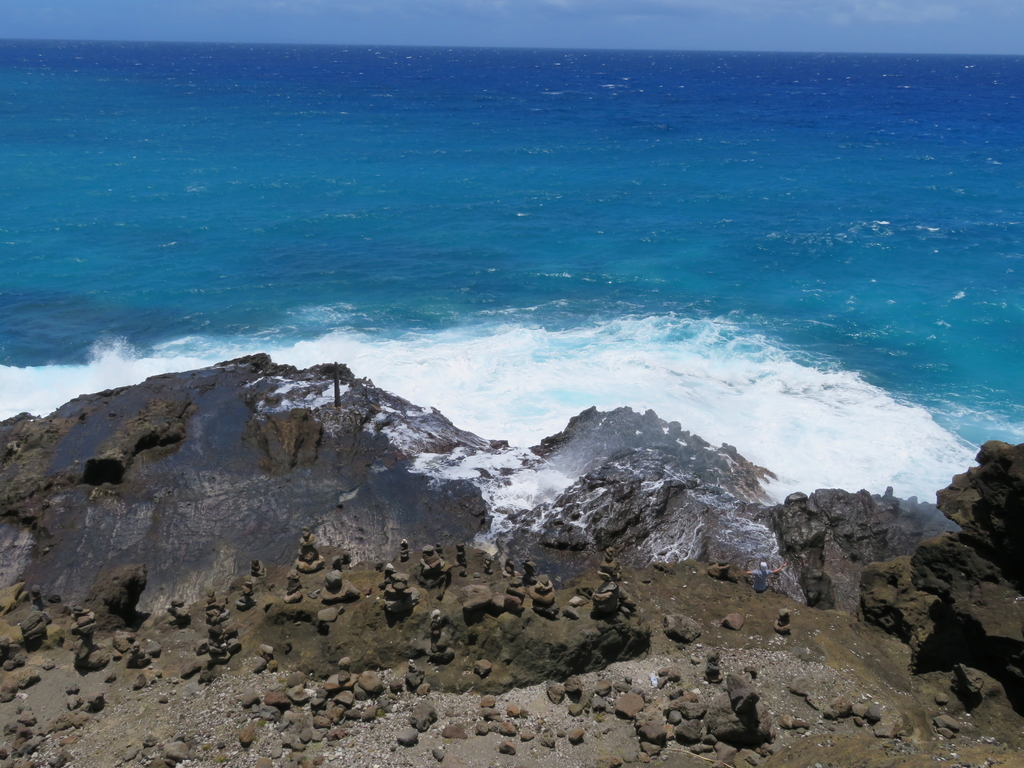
x: 814, y: 258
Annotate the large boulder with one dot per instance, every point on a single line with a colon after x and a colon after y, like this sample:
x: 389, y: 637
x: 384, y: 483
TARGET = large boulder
x: 748, y: 726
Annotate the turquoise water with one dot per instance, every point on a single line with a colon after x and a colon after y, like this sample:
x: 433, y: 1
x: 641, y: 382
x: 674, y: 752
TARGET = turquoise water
x: 814, y: 258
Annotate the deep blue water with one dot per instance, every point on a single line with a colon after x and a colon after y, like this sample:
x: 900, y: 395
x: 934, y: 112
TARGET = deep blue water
x: 816, y: 258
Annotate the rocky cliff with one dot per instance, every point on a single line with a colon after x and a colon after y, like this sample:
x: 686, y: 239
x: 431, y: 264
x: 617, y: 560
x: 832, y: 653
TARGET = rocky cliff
x: 956, y: 601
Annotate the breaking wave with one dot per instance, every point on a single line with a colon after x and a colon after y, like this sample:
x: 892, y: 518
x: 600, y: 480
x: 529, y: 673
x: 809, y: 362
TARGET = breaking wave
x: 810, y: 422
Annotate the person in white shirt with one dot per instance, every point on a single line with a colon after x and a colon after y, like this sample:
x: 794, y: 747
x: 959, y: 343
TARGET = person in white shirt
x: 761, y: 575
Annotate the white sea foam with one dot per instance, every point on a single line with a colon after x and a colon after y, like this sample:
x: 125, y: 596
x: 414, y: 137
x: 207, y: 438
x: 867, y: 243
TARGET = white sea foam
x: 511, y: 480
x: 813, y: 427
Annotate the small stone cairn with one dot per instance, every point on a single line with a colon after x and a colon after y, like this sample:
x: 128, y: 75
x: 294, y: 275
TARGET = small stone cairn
x: 399, y: 597
x: 542, y: 596
x: 606, y: 599
x: 293, y: 588
x: 609, y: 568
x: 782, y: 625
x: 310, y: 560
x: 336, y: 588
x: 87, y: 654
x: 440, y: 638
x: 179, y: 614
x: 713, y: 668
x: 529, y: 573
x: 247, y: 599
x: 433, y: 571
x: 222, y: 642
x: 515, y: 596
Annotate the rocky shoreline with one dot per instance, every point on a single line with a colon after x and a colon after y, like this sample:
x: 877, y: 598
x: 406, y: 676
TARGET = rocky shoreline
x: 239, y: 566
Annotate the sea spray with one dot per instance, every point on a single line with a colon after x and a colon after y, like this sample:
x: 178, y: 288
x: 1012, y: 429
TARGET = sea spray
x: 813, y: 426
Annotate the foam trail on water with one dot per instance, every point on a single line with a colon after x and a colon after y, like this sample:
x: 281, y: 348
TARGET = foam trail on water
x: 814, y: 427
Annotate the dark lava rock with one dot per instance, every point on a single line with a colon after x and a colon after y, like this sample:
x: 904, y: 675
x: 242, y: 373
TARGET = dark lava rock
x: 243, y: 443
x: 827, y: 537
x: 956, y: 600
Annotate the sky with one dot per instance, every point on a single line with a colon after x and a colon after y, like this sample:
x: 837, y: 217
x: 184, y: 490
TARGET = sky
x: 869, y: 26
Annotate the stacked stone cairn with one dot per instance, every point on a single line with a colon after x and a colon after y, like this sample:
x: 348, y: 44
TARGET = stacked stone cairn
x: 336, y: 588
x: 610, y: 599
x: 403, y: 551
x: 609, y: 568
x: 399, y: 597
x: 293, y: 588
x: 222, y: 642
x: 782, y: 625
x: 515, y: 596
x: 33, y: 628
x: 257, y: 569
x: 389, y: 574
x: 713, y: 668
x: 433, y: 572
x: 310, y: 560
x: 246, y: 600
x: 179, y: 614
x: 87, y: 654
x: 542, y: 597
x: 440, y: 638
x: 529, y: 573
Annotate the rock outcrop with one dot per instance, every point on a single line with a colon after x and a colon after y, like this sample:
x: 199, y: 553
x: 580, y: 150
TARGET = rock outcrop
x: 957, y: 601
x: 197, y: 474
